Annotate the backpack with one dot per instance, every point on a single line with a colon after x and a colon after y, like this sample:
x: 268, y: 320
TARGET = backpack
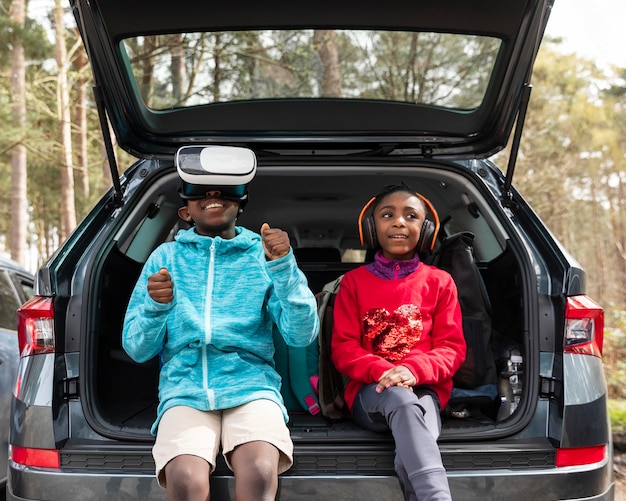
x: 456, y: 256
x: 297, y: 367
x: 331, y: 382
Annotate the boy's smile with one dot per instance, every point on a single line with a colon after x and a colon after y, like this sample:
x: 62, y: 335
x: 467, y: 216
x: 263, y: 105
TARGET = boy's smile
x: 211, y: 204
x: 212, y: 215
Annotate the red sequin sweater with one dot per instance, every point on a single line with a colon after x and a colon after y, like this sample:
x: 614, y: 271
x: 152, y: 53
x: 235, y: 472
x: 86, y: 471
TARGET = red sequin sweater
x: 413, y: 321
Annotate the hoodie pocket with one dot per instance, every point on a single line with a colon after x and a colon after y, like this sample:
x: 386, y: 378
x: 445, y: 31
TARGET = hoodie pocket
x: 184, y: 368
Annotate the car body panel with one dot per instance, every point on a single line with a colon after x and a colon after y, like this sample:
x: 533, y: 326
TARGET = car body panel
x: 327, y: 123
x: 92, y: 453
x: 574, y: 484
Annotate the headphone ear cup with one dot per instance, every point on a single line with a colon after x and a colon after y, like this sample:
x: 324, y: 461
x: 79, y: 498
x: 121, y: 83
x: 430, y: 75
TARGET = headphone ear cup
x: 427, y: 236
x: 369, y: 232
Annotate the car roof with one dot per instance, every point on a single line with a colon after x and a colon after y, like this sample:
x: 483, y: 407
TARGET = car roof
x: 112, y: 28
x: 8, y: 263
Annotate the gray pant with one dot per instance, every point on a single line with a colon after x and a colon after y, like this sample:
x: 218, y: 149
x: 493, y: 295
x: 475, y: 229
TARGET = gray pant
x: 415, y: 423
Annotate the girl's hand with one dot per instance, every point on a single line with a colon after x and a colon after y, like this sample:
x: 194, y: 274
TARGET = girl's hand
x: 397, y: 376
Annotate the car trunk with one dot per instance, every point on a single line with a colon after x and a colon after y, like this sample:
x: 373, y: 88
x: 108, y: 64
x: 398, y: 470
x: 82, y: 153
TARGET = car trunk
x: 318, y: 205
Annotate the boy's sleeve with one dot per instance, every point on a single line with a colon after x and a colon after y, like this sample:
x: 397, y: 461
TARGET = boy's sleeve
x: 291, y: 304
x: 143, y: 335
x: 348, y: 354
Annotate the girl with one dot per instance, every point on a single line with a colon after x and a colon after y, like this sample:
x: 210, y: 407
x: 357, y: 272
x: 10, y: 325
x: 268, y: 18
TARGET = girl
x: 397, y: 335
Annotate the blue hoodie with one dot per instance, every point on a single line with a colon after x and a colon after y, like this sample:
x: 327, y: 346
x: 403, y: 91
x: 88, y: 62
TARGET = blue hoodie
x: 215, y: 337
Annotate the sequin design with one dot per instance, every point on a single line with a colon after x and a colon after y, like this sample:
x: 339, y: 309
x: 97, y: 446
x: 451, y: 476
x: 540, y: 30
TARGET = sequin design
x: 393, y: 334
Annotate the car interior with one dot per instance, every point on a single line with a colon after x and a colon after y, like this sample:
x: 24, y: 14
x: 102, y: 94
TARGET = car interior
x: 318, y: 205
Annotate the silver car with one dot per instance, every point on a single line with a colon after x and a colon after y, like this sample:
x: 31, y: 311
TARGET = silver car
x: 16, y: 286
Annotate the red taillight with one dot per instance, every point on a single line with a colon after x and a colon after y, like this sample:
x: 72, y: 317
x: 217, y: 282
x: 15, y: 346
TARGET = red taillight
x: 584, y: 326
x: 35, y: 326
x: 29, y: 456
x: 578, y: 456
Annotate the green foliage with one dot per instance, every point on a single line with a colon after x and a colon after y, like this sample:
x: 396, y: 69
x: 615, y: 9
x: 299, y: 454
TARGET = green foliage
x: 614, y: 352
x: 617, y: 414
x: 32, y: 35
x: 571, y: 166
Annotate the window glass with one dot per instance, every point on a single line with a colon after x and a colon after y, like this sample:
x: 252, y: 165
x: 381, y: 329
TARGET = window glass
x: 189, y: 69
x: 25, y: 285
x: 9, y: 303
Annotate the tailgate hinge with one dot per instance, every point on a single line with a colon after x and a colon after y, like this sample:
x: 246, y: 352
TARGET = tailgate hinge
x: 550, y: 387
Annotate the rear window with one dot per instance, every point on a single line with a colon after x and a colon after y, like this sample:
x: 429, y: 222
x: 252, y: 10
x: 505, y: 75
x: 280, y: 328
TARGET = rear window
x: 192, y: 69
x: 9, y: 303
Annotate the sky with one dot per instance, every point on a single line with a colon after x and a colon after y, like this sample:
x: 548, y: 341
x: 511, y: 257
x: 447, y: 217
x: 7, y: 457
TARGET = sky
x: 593, y: 29
x: 590, y: 28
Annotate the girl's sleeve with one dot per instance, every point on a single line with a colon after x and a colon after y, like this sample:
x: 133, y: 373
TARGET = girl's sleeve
x: 143, y: 335
x: 348, y: 354
x: 291, y: 303
x: 448, y: 347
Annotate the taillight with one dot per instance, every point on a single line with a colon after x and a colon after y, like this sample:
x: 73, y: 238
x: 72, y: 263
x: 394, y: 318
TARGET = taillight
x: 577, y: 456
x: 584, y: 326
x: 30, y: 456
x: 35, y: 326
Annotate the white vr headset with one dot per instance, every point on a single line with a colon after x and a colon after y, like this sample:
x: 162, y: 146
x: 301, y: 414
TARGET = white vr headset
x: 227, y: 168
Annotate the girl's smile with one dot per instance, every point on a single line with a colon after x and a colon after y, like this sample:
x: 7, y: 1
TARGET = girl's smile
x: 399, y: 217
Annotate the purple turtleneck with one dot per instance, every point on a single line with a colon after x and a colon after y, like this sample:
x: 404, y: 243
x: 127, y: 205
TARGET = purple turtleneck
x: 392, y: 269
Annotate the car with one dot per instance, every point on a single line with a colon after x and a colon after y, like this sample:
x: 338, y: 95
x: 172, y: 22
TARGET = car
x: 16, y: 287
x: 336, y: 100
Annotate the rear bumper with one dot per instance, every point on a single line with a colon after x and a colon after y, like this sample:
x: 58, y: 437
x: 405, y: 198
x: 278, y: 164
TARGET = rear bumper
x: 591, y: 482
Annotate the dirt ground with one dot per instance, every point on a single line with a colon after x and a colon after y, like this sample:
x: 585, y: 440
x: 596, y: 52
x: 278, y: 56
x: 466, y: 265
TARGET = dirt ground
x: 619, y: 466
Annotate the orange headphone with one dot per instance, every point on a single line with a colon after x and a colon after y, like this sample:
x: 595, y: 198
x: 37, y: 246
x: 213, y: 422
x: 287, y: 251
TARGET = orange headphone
x: 428, y: 232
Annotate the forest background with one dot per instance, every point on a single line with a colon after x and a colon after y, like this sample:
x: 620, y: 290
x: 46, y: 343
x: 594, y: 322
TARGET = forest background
x: 571, y: 165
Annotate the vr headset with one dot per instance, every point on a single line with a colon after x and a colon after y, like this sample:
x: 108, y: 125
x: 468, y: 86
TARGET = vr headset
x: 227, y: 169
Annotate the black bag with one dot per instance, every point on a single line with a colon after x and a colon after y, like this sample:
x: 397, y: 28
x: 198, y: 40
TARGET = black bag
x: 456, y: 256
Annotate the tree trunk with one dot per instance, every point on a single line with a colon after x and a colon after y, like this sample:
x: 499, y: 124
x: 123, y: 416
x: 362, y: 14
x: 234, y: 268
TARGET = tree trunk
x: 179, y: 74
x: 68, y: 210
x: 620, y: 242
x: 19, y: 201
x: 325, y: 42
x: 81, y: 122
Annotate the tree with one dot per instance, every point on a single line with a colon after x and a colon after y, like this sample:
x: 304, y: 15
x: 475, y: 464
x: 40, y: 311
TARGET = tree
x: 19, y: 214
x: 68, y: 210
x: 325, y: 41
x: 571, y: 167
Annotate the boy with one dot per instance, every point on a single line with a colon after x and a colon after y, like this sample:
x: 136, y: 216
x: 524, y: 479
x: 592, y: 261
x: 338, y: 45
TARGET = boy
x: 207, y: 303
x: 397, y: 335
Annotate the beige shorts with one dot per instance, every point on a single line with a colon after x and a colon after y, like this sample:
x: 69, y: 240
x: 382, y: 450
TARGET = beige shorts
x: 184, y: 430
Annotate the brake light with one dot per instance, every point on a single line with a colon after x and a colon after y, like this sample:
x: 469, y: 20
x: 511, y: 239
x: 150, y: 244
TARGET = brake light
x: 577, y: 456
x: 35, y: 326
x: 584, y: 327
x: 30, y: 456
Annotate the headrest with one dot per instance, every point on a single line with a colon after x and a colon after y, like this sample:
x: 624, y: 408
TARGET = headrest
x: 317, y: 254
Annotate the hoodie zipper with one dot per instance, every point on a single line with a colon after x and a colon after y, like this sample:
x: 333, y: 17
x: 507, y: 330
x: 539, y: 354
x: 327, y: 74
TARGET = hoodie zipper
x: 207, y: 326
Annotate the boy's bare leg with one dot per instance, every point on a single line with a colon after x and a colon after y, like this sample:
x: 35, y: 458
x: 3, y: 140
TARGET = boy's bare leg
x: 187, y: 479
x: 255, y: 465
